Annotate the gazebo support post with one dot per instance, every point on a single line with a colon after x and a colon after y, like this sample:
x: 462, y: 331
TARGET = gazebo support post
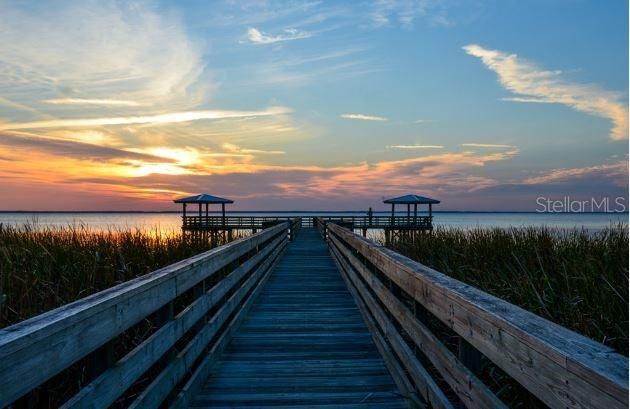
x: 393, y: 214
x: 223, y: 215
x: 415, y: 214
x: 184, y: 216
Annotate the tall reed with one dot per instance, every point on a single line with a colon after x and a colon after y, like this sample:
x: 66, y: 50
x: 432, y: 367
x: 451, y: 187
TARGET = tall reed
x: 42, y: 267
x: 576, y: 278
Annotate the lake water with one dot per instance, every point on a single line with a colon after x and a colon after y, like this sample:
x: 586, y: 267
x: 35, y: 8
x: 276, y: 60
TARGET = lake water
x: 171, y: 222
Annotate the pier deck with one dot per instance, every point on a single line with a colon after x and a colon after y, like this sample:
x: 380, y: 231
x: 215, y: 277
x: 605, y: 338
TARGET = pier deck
x: 303, y: 343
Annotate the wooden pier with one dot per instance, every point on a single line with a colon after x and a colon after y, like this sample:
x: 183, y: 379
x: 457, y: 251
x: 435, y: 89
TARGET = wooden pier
x: 303, y: 316
x: 302, y: 344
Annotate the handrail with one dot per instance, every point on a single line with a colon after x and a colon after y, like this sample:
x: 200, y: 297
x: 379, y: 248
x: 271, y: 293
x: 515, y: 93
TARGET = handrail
x: 225, y: 278
x: 295, y: 226
x: 249, y: 222
x: 560, y: 367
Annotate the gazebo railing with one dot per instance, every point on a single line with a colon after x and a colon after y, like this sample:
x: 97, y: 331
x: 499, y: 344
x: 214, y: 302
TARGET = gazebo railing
x: 217, y: 222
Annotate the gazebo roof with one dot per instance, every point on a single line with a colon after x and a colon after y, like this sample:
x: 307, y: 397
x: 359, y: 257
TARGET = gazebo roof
x: 411, y: 199
x: 203, y: 198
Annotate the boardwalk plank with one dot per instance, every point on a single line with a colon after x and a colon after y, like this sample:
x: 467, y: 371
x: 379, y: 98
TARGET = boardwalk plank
x: 303, y: 344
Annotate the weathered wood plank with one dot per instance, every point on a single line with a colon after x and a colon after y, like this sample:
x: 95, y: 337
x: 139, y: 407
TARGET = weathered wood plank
x: 192, y: 386
x: 398, y: 373
x: 303, y: 343
x: 38, y: 348
x: 422, y: 380
x: 472, y: 392
x: 164, y: 383
x: 562, y: 368
x: 104, y: 390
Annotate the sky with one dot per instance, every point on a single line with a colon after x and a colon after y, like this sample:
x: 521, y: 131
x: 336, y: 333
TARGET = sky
x: 312, y: 105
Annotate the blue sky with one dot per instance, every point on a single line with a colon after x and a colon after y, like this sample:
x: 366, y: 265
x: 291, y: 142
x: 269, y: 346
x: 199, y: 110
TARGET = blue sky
x: 486, y: 105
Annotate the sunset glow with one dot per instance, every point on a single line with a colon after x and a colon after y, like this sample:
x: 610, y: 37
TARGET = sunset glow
x: 310, y: 105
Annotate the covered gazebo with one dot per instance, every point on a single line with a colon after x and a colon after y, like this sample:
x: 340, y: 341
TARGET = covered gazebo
x: 414, y: 200
x: 203, y: 199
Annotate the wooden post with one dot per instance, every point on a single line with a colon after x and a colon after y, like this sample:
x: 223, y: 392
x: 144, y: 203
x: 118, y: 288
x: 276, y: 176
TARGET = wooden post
x: 206, y: 221
x: 184, y: 217
x: 199, y: 225
x: 415, y: 213
x: 393, y: 214
x: 223, y: 215
x: 408, y: 213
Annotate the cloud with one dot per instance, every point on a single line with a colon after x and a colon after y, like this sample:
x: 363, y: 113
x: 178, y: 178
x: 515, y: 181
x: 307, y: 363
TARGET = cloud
x: 84, y: 101
x: 617, y: 171
x: 155, y: 174
x: 415, y: 147
x: 406, y: 12
x: 173, y: 117
x: 57, y: 50
x: 487, y: 145
x: 423, y: 121
x: 258, y: 37
x: 363, y: 117
x: 237, y: 149
x: 531, y: 84
x: 80, y: 150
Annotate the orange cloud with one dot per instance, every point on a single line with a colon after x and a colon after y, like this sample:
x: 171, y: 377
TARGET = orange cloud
x: 154, y: 175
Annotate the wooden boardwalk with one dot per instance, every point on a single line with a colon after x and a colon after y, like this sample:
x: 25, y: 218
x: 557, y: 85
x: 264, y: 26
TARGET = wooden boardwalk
x: 303, y: 344
x: 276, y: 319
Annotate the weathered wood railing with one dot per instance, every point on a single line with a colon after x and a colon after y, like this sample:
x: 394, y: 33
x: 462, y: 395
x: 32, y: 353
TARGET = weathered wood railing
x: 232, y: 222
x: 214, y: 222
x: 194, y: 306
x: 399, y: 299
x: 295, y: 226
x: 382, y: 222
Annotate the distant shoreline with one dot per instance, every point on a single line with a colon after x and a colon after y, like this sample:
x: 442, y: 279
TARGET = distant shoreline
x: 289, y: 211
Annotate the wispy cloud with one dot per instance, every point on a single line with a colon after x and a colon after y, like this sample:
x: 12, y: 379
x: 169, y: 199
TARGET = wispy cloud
x: 617, y: 171
x: 423, y: 121
x: 363, y: 117
x: 230, y: 147
x: 258, y: 37
x: 66, y: 148
x: 487, y: 145
x: 174, y: 117
x: 57, y: 50
x: 415, y: 147
x: 533, y: 84
x: 407, y: 12
x: 84, y: 101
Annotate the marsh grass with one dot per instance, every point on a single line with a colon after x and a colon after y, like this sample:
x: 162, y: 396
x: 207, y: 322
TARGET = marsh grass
x: 42, y: 268
x: 576, y: 278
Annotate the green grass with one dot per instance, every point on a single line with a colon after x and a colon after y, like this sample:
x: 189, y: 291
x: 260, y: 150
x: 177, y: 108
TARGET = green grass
x: 575, y: 278
x: 43, y: 268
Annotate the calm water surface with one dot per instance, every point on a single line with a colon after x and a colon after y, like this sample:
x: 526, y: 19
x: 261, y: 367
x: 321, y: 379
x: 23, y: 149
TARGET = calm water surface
x: 171, y: 222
